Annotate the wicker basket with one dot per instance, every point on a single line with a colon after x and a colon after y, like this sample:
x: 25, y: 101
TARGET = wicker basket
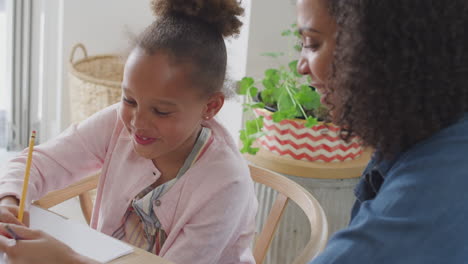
x: 94, y: 83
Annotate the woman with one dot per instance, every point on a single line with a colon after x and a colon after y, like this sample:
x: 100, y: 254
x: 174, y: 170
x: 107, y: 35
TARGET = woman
x: 394, y: 72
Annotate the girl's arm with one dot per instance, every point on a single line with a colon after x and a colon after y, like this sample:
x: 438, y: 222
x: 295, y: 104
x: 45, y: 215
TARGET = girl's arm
x: 76, y: 153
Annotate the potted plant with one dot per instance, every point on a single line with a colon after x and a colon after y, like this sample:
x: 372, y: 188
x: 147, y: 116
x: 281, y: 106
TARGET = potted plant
x: 289, y: 118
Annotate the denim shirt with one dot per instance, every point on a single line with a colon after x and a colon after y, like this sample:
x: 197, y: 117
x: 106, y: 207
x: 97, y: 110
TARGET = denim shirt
x: 413, y: 209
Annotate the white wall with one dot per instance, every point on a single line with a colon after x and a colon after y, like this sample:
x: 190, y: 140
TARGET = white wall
x: 103, y: 27
x: 4, y: 102
x: 269, y: 18
x: 231, y: 113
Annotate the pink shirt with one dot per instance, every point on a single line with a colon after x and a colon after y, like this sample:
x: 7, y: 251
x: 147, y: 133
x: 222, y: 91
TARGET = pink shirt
x: 209, y: 214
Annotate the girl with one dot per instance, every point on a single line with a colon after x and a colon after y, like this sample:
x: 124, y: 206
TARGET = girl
x: 172, y: 181
x: 394, y: 72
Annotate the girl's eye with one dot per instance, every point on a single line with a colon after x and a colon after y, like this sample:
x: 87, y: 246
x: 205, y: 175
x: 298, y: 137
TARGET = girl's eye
x: 157, y: 112
x: 127, y: 101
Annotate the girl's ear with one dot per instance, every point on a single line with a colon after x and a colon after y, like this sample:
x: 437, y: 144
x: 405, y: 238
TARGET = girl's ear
x: 213, y: 105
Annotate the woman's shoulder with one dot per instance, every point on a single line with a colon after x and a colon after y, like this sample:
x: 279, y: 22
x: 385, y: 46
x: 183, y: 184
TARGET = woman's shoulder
x: 442, y: 156
x: 451, y: 141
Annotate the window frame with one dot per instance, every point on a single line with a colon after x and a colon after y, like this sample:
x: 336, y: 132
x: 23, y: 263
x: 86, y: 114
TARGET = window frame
x: 19, y: 74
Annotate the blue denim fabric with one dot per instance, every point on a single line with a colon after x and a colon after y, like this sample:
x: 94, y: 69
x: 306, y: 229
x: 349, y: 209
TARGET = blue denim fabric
x: 413, y: 209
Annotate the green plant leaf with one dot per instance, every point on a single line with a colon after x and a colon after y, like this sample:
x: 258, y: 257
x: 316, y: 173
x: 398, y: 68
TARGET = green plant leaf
x: 273, y: 74
x: 293, y: 68
x: 287, y: 75
x: 268, y: 84
x: 290, y: 113
x: 272, y: 78
x: 287, y: 107
x: 251, y: 126
x: 268, y: 96
x: 247, y: 143
x: 251, y: 132
x: 271, y: 83
x: 294, y: 112
x: 278, y: 116
x: 285, y: 102
x: 253, y: 91
x: 308, y: 98
x: 297, y: 47
x: 245, y: 85
x: 260, y: 105
x: 296, y: 33
x: 311, y: 121
x: 272, y: 54
x: 249, y: 149
x: 286, y: 32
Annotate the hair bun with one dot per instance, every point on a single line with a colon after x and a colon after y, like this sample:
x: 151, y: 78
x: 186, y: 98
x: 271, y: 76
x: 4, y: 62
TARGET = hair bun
x: 220, y: 14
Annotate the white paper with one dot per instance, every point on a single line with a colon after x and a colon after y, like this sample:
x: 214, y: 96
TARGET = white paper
x: 81, y: 238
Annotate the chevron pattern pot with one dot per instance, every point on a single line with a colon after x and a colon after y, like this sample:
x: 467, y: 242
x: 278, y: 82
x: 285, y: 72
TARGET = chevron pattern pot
x: 321, y: 143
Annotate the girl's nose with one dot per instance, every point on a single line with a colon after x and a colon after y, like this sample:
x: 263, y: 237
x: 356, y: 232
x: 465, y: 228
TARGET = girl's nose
x: 139, y: 119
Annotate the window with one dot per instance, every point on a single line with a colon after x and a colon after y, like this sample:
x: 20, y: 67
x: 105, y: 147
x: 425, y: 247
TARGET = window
x: 15, y: 23
x: 5, y: 94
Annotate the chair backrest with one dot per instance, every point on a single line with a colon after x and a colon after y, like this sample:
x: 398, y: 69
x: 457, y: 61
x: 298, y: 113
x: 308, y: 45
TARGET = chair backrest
x: 80, y: 188
x: 289, y: 190
x: 286, y: 188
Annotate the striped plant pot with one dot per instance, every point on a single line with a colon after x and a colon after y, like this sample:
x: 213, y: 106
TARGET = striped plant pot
x: 321, y: 143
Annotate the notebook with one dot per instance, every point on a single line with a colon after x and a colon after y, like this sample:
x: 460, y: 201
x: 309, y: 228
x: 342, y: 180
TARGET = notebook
x: 81, y: 238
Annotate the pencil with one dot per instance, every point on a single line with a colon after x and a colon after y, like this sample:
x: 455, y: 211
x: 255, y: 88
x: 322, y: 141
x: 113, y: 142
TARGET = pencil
x: 26, y: 177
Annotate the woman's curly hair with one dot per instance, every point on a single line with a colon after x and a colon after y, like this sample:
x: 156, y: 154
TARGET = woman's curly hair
x: 400, y: 68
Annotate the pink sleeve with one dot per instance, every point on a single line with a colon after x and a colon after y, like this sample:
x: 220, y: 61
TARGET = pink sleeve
x: 76, y: 153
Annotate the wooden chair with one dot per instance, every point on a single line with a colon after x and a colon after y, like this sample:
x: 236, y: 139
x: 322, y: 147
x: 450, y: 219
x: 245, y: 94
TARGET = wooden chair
x: 289, y: 190
x: 80, y: 189
x: 286, y: 188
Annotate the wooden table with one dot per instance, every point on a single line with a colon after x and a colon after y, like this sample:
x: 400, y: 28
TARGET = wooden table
x: 140, y: 256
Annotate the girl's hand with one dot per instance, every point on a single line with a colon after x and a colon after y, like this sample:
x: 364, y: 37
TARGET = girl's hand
x: 9, y: 215
x: 9, y: 200
x: 37, y: 247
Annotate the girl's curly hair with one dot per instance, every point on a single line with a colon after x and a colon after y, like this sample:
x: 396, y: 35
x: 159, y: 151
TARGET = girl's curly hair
x: 193, y: 32
x: 400, y: 68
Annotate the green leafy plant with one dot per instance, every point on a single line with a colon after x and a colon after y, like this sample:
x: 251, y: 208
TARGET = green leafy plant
x: 285, y: 91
